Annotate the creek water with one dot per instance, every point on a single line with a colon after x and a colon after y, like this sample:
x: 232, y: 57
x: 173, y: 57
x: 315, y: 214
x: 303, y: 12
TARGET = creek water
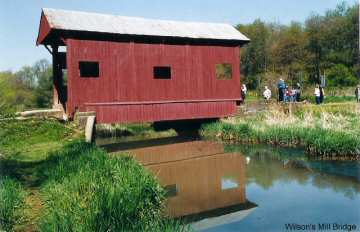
x: 223, y: 187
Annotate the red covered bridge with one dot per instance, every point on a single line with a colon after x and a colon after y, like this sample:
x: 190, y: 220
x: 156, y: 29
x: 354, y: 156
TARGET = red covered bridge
x: 129, y: 69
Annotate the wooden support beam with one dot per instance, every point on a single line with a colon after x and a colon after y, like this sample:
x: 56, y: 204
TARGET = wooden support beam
x: 63, y: 40
x: 47, y: 48
x: 59, y: 89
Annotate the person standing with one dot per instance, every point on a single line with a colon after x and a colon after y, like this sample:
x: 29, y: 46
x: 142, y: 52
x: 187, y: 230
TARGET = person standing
x: 357, y: 93
x: 287, y: 94
x: 267, y: 94
x: 322, y: 94
x: 293, y: 95
x: 243, y: 91
x: 317, y: 94
x: 298, y: 92
x: 281, y: 89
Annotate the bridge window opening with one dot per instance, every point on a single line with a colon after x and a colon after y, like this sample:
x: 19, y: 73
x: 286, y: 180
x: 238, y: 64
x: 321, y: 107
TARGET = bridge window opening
x: 223, y: 71
x: 171, y: 190
x: 229, y: 182
x: 162, y: 72
x: 89, y: 69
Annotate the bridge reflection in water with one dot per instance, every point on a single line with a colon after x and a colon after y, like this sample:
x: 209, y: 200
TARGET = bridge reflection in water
x: 206, y: 184
x: 202, y: 181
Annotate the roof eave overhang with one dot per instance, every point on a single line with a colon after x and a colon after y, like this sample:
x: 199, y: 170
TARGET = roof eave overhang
x: 56, y: 36
x: 44, y: 29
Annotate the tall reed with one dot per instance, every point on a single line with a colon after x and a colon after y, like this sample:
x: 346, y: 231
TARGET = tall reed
x: 85, y: 190
x: 12, y: 203
x: 317, y: 141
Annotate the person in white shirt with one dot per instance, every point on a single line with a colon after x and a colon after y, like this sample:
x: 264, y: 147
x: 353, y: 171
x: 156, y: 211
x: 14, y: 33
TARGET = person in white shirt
x: 267, y: 94
x: 243, y: 91
x: 317, y: 94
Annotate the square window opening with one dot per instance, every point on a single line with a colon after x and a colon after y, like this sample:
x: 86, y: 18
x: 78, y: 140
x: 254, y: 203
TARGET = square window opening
x: 229, y: 182
x: 162, y: 72
x: 223, y: 71
x: 89, y: 69
x: 171, y: 190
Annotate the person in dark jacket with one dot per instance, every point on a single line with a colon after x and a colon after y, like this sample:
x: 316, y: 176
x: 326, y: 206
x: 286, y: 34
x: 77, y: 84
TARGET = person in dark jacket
x: 298, y: 92
x: 322, y: 94
x: 281, y: 89
x: 357, y: 93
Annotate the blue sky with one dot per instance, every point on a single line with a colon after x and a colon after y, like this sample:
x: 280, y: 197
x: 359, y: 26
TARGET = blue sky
x: 19, y: 19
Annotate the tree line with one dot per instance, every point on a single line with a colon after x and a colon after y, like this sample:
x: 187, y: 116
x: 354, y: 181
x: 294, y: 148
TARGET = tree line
x: 30, y: 87
x: 324, y: 45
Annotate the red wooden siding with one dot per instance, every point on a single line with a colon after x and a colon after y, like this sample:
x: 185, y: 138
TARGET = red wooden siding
x: 44, y: 29
x: 126, y: 75
x: 158, y: 112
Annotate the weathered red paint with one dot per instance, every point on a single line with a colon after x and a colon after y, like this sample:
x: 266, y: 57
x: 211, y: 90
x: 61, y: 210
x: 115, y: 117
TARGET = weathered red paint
x: 127, y: 92
x: 44, y: 29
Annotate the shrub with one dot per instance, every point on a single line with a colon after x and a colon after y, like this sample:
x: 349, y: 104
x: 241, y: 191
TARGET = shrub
x: 340, y: 75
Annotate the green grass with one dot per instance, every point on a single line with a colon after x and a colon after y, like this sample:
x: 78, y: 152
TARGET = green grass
x: 318, y: 141
x: 124, y: 197
x: 346, y: 108
x: 331, y: 129
x: 331, y: 99
x: 32, y: 139
x: 70, y: 185
x: 12, y: 203
x: 252, y: 98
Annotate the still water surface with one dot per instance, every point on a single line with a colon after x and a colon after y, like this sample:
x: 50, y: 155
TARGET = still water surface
x: 220, y: 187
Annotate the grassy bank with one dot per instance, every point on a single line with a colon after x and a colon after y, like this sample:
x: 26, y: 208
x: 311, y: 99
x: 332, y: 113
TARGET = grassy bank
x: 332, y: 129
x: 12, y: 203
x: 332, y: 95
x: 330, y: 99
x: 66, y: 184
x: 33, y: 139
x: 138, y: 130
x: 85, y: 190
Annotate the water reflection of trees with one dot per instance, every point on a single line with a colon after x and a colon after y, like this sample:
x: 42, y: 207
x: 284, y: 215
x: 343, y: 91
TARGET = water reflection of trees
x: 269, y: 165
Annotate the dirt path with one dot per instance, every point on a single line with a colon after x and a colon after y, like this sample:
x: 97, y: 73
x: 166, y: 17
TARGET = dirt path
x: 34, y: 206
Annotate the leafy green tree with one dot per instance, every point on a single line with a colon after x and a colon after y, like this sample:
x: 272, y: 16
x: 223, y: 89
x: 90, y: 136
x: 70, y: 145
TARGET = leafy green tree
x: 314, y: 27
x: 44, y: 89
x: 289, y: 52
x: 30, y: 87
x: 255, y: 55
x: 302, y: 51
x: 14, y: 96
x: 340, y: 75
x: 26, y: 76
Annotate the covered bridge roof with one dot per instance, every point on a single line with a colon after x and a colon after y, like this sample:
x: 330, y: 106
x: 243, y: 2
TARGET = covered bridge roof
x: 63, y: 23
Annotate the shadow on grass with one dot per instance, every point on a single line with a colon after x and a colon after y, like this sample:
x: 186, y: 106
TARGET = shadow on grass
x: 21, y: 171
x: 34, y: 173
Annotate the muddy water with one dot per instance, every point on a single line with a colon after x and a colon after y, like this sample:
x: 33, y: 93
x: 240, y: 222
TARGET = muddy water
x: 219, y: 187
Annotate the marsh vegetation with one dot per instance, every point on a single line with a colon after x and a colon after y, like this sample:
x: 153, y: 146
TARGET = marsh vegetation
x: 331, y: 129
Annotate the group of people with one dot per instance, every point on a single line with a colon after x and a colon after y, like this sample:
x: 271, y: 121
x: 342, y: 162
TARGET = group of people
x: 287, y: 94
